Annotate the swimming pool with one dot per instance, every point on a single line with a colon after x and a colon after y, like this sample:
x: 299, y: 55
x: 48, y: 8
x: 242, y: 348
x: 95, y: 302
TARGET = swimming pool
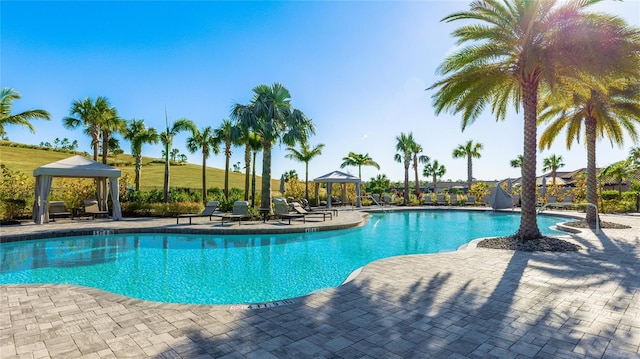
x: 237, y: 269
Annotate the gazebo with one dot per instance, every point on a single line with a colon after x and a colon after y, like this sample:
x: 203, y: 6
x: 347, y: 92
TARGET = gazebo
x: 79, y: 167
x: 343, y: 179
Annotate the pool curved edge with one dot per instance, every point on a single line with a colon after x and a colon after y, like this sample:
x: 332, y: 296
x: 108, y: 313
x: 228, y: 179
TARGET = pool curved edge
x: 128, y: 301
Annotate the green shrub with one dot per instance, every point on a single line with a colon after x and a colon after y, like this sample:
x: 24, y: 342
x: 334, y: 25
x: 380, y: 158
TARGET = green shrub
x: 609, y: 195
x: 16, y: 191
x: 617, y: 206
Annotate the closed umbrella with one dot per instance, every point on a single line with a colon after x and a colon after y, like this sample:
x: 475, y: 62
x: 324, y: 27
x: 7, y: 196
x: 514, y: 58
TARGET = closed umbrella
x: 282, y: 185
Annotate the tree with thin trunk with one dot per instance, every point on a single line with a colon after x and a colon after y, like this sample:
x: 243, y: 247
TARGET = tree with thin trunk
x: 435, y: 170
x: 7, y: 97
x: 552, y: 163
x: 225, y: 134
x: 506, y: 52
x: 418, y: 158
x: 205, y: 141
x: 358, y: 159
x: 620, y: 171
x: 90, y: 114
x: 271, y: 116
x: 256, y: 146
x: 110, y: 124
x: 404, y: 155
x: 138, y: 134
x: 305, y: 154
x: 605, y: 111
x: 469, y: 150
x: 166, y: 137
x: 243, y: 136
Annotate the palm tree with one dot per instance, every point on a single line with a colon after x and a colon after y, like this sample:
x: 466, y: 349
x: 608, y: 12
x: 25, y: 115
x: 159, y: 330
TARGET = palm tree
x: 517, y: 162
x: 604, y: 111
x: 204, y: 140
x: 357, y: 159
x: 243, y: 136
x: 7, y: 96
x: 619, y: 171
x: 404, y: 147
x: 90, y: 114
x: 225, y: 134
x: 634, y: 156
x: 166, y: 137
x: 552, y: 163
x: 435, y: 170
x: 111, y: 123
x: 381, y: 182
x: 305, y: 154
x: 517, y: 46
x: 271, y: 116
x: 469, y: 151
x: 416, y: 150
x: 137, y: 133
x: 289, y: 175
x: 256, y: 146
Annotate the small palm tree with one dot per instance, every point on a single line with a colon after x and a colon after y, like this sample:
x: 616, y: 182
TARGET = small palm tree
x: 634, y: 156
x: 435, y: 170
x: 166, y: 137
x: 517, y: 162
x: 552, y: 163
x: 305, y: 154
x: 205, y: 141
x: 417, y: 158
x: 110, y: 124
x: 7, y: 96
x: 225, y: 134
x: 357, y: 159
x: 469, y: 151
x: 404, y: 147
x: 620, y: 172
x: 137, y: 133
x: 90, y: 114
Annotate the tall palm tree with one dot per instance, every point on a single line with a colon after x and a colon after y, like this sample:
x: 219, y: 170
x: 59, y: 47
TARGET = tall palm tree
x: 418, y: 158
x: 469, y: 150
x: 357, y: 159
x: 435, y: 170
x: 166, y: 137
x: 271, y: 116
x: 305, y: 154
x: 404, y: 147
x: 225, y: 134
x: 7, y: 96
x: 205, y: 141
x: 256, y: 146
x: 90, y: 114
x: 634, y: 156
x: 243, y: 136
x: 605, y: 111
x: 552, y: 163
x: 510, y: 49
x: 138, y: 134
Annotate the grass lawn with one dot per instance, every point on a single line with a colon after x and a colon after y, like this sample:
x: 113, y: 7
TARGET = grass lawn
x: 27, y: 159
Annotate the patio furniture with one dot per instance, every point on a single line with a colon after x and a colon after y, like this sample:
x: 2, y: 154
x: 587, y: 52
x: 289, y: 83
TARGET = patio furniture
x: 91, y: 209
x: 209, y: 210
x: 281, y: 208
x: 240, y: 211
x: 58, y: 210
x: 299, y: 209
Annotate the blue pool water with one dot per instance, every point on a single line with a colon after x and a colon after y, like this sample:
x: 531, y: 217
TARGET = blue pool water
x: 237, y: 269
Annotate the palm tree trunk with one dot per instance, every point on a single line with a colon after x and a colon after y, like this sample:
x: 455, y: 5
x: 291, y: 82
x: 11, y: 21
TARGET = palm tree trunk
x: 469, y: 171
x: 138, y: 170
x: 105, y: 146
x: 95, y: 140
x: 592, y: 182
x: 434, y: 183
x: 528, y: 222
x: 204, y: 176
x: 166, y: 174
x: 253, y: 181
x: 247, y: 171
x: 406, y: 183
x: 306, y: 181
x: 265, y: 201
x: 415, y: 167
x: 227, y: 155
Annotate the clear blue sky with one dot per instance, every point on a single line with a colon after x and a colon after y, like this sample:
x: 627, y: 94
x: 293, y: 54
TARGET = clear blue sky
x: 359, y: 70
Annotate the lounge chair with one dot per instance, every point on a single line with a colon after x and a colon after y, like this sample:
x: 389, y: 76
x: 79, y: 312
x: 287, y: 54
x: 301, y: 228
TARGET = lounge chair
x: 57, y: 210
x: 282, y: 210
x: 91, y: 209
x: 471, y: 200
x: 440, y: 200
x: 299, y: 209
x: 386, y: 199
x: 210, y: 210
x: 240, y: 211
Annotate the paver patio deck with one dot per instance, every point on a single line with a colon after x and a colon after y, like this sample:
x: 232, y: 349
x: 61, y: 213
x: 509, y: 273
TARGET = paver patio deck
x: 472, y: 303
